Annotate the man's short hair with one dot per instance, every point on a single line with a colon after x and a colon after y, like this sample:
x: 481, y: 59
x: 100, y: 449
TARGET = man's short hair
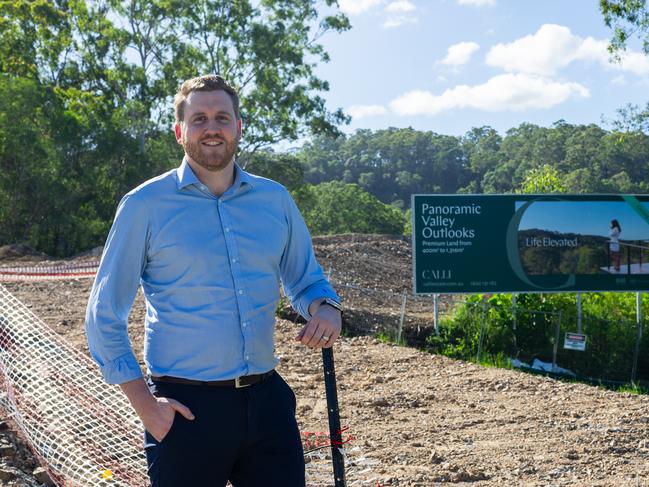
x: 209, y: 82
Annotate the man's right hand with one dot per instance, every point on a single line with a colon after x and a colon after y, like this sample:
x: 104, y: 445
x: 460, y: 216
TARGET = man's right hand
x: 159, y: 419
x: 156, y: 413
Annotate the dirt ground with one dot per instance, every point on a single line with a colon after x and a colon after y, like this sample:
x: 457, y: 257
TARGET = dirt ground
x: 422, y: 419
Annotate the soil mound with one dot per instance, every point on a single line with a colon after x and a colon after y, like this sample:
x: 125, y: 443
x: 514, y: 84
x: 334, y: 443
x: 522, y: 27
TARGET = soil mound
x: 20, y: 252
x: 381, y: 262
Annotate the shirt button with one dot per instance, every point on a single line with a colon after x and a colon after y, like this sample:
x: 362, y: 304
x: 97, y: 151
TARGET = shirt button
x: 234, y: 260
x: 227, y: 229
x: 240, y: 291
x: 245, y: 323
x: 247, y: 357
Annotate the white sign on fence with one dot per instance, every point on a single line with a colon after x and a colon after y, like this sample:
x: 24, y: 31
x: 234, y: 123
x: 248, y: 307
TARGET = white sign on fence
x: 575, y: 341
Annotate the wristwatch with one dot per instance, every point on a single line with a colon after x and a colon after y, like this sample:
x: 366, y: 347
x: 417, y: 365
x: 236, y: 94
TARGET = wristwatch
x: 333, y: 303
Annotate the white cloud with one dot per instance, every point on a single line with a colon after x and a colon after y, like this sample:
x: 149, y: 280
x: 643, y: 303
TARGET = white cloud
x: 400, y: 6
x: 399, y: 13
x: 477, y: 3
x: 355, y: 7
x: 597, y: 50
x: 553, y: 47
x: 399, y: 20
x: 361, y: 111
x: 635, y: 62
x: 550, y: 48
x: 506, y: 92
x: 460, y: 53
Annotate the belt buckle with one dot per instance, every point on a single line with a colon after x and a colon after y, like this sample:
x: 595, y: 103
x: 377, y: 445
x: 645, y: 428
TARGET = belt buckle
x: 238, y: 384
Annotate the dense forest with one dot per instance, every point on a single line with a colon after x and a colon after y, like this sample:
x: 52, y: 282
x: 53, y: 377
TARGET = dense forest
x: 394, y: 163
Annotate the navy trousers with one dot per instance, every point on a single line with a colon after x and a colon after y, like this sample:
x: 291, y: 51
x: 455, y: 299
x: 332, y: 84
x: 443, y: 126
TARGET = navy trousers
x: 248, y: 436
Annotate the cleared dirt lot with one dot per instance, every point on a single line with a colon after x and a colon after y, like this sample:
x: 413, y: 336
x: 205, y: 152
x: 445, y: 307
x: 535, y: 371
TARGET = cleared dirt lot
x: 424, y: 419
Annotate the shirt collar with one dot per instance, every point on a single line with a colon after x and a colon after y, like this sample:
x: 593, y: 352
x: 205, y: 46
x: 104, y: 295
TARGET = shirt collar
x: 185, y: 176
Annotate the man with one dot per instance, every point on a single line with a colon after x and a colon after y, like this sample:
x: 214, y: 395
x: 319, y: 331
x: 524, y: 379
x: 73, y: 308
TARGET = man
x: 209, y: 244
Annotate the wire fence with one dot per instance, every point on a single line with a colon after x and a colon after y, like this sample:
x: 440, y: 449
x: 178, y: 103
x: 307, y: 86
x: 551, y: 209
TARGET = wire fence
x: 557, y: 342
x: 84, y: 432
x: 395, y: 316
x: 49, y: 271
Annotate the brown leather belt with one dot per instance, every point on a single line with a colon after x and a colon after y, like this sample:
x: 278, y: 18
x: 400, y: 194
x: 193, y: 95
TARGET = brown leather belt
x: 243, y: 381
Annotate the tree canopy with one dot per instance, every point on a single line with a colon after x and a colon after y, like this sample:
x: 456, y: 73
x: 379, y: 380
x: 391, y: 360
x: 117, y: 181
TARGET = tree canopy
x: 392, y: 164
x: 335, y: 207
x: 628, y: 19
x: 132, y: 55
x: 86, y: 92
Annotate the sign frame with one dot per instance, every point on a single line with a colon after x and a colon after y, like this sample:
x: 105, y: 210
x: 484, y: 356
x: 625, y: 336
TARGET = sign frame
x: 516, y: 280
x: 574, y: 341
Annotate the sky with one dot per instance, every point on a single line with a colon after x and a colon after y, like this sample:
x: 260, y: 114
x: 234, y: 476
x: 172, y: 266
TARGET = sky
x: 450, y: 65
x: 585, y: 218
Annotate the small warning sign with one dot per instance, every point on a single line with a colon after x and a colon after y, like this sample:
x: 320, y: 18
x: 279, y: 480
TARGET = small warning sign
x: 575, y: 341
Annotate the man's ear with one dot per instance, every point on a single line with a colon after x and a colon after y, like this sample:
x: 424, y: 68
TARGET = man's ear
x: 238, y: 128
x: 178, y: 131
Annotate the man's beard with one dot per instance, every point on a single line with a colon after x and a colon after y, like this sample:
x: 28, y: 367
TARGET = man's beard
x: 211, y: 162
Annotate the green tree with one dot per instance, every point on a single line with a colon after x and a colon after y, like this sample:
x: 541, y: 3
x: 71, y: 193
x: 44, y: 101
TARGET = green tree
x: 632, y: 118
x: 334, y: 207
x: 135, y: 53
x: 543, y: 180
x: 390, y: 164
x: 103, y: 72
x: 627, y: 18
x: 140, y: 50
x: 407, y: 229
x: 283, y: 168
x: 482, y: 148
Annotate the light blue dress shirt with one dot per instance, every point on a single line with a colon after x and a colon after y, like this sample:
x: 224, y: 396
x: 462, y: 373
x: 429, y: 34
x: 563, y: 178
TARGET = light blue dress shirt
x: 210, y: 268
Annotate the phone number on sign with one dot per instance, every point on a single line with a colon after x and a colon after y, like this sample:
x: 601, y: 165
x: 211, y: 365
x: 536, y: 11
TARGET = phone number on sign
x: 483, y: 283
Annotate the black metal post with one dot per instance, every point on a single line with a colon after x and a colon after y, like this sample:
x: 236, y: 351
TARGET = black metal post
x: 608, y: 255
x: 628, y: 260
x: 335, y: 434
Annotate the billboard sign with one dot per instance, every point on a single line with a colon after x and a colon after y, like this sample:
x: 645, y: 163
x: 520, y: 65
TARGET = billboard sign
x: 530, y: 243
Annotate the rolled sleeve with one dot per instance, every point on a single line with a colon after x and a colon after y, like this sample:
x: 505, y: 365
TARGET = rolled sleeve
x: 121, y: 369
x: 302, y: 276
x: 113, y: 293
x: 315, y: 291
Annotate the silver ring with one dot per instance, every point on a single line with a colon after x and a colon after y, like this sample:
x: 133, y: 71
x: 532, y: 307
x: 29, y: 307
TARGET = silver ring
x: 324, y: 338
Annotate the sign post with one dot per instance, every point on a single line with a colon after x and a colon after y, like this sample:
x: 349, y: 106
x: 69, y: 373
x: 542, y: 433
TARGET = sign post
x: 638, y: 338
